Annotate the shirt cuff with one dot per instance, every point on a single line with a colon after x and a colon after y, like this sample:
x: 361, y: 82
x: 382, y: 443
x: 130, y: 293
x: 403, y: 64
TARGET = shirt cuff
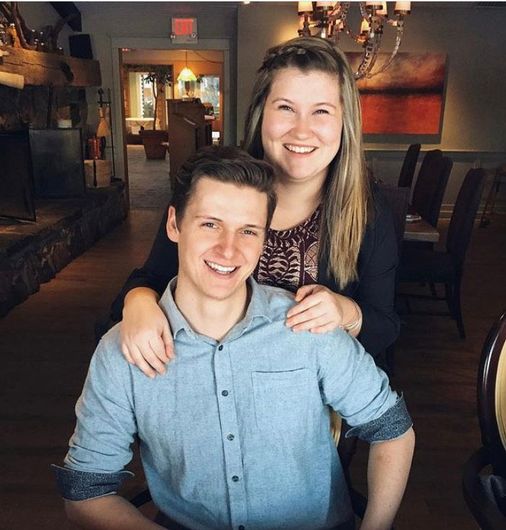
x: 75, y: 485
x: 392, y: 424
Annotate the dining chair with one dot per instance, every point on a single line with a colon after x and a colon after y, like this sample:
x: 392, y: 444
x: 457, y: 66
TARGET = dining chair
x: 431, y: 186
x: 484, y: 476
x: 397, y: 199
x: 408, y: 166
x: 422, y: 265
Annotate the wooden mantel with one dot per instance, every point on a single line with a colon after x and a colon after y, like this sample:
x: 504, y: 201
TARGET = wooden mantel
x: 40, y: 68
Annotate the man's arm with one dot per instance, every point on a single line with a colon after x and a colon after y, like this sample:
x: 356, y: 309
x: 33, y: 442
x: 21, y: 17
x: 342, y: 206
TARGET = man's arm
x: 387, y: 475
x: 110, y: 512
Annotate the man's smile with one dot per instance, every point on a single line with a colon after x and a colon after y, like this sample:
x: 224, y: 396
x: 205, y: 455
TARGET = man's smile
x: 220, y: 269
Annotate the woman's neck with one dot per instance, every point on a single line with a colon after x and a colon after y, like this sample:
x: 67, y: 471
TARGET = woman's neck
x: 296, y: 202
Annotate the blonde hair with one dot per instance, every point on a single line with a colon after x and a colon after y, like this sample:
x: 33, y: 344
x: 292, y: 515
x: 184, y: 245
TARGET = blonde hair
x: 347, y: 193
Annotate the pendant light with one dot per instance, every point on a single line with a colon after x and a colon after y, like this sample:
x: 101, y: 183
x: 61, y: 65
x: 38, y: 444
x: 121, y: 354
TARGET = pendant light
x: 186, y: 74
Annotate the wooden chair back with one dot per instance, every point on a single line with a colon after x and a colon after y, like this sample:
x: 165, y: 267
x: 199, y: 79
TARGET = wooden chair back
x: 430, y: 188
x: 464, y: 214
x: 492, y: 396
x: 408, y: 166
x: 397, y: 199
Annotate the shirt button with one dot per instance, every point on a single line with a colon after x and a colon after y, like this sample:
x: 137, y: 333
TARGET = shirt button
x: 224, y: 392
x: 235, y: 478
x: 220, y: 347
x: 230, y: 437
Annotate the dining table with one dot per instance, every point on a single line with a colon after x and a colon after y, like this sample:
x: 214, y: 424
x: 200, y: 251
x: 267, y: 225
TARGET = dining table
x: 418, y: 229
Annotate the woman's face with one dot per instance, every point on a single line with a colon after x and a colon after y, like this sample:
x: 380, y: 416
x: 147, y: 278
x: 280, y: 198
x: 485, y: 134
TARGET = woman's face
x: 302, y: 124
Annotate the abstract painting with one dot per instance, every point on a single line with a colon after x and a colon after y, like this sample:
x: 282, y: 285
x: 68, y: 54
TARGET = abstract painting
x: 406, y: 99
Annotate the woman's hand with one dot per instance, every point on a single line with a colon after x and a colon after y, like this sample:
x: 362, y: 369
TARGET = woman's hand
x: 146, y: 338
x: 320, y: 310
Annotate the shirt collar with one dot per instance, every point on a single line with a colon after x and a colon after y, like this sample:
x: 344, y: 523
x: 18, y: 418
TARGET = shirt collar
x: 258, y: 308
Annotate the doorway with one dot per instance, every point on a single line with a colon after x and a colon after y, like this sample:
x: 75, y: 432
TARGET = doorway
x: 141, y: 95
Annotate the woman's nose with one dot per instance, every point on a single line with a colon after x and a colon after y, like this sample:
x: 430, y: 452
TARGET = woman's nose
x: 301, y: 127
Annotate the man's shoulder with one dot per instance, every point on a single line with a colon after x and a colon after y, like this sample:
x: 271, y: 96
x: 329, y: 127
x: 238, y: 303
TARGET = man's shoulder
x: 109, y: 347
x: 277, y: 301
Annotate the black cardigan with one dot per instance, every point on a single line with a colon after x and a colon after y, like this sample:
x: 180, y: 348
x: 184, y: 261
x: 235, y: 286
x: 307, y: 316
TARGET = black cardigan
x: 373, y: 291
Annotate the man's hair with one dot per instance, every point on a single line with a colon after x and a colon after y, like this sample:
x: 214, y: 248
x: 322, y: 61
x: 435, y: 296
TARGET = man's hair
x: 224, y: 164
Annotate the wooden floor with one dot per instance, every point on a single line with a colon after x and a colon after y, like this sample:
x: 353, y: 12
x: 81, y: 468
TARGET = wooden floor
x: 46, y: 343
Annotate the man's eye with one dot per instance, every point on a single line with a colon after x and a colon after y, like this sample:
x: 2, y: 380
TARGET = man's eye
x: 209, y: 225
x: 249, y: 232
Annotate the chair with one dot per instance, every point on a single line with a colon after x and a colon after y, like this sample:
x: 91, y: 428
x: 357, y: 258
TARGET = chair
x: 430, y: 187
x: 428, y: 266
x: 485, y: 494
x: 397, y: 198
x: 409, y: 166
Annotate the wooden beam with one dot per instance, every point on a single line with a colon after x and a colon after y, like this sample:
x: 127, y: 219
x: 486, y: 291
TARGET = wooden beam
x: 39, y: 68
x: 64, y: 9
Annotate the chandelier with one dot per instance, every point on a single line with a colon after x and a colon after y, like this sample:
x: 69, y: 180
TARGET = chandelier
x: 329, y: 20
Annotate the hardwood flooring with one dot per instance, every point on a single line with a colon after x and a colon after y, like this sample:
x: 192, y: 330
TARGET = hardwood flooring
x: 46, y: 344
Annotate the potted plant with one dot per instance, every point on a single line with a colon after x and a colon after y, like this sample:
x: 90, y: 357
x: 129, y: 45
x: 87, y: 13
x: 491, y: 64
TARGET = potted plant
x: 153, y: 140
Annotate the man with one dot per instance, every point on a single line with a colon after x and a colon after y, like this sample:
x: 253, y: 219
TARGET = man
x: 236, y: 433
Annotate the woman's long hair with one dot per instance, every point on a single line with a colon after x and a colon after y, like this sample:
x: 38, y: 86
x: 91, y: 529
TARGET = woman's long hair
x: 346, y: 195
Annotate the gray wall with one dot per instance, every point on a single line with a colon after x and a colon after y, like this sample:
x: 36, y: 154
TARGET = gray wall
x: 474, y: 122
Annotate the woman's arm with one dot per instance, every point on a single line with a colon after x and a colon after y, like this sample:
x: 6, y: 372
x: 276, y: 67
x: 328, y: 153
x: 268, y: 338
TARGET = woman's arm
x: 160, y: 267
x: 375, y: 290
x: 146, y: 339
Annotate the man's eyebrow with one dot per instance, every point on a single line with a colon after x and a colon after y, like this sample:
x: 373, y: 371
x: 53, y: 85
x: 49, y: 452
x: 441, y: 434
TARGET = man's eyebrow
x: 213, y: 218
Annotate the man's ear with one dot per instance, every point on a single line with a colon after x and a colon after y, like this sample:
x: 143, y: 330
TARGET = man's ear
x: 172, y: 229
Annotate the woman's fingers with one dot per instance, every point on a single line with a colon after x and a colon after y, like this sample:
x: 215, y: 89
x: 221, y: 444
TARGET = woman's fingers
x: 141, y: 363
x: 323, y: 329
x: 306, y: 315
x: 313, y: 323
x: 305, y: 290
x: 168, y: 343
x: 126, y: 353
x: 308, y: 302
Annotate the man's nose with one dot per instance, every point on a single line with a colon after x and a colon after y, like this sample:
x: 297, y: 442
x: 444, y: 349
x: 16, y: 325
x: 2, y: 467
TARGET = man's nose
x: 227, y: 244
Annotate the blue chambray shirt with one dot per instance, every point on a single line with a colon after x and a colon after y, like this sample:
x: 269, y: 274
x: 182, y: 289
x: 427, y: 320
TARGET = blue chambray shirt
x: 235, y: 433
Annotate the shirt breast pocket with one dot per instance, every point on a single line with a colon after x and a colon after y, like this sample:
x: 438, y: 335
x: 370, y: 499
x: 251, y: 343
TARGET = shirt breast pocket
x: 281, y: 400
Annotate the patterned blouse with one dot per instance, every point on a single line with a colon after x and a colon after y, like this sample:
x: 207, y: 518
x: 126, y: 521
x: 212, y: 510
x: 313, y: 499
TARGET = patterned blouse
x: 290, y: 257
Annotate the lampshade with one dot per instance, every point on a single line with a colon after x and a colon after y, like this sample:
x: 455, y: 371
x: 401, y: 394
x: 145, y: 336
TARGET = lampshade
x: 103, y: 127
x: 186, y: 75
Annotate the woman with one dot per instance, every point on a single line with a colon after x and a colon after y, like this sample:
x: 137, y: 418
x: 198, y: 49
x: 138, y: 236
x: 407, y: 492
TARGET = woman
x: 331, y: 240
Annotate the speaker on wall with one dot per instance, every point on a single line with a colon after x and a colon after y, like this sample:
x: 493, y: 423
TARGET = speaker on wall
x: 80, y: 46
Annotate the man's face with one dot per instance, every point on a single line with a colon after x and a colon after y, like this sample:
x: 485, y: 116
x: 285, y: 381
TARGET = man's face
x: 220, y: 238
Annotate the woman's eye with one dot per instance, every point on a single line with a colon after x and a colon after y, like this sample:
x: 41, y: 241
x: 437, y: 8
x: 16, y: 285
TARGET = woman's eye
x: 285, y: 107
x: 322, y: 111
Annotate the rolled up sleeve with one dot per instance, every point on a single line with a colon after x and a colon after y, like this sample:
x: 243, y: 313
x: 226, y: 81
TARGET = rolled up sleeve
x: 100, y: 446
x: 360, y: 392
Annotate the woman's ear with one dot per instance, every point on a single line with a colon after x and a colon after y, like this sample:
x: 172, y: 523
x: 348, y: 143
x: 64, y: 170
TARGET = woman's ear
x: 172, y: 229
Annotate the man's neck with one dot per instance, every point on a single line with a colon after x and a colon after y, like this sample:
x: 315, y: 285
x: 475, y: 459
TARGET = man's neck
x: 210, y: 317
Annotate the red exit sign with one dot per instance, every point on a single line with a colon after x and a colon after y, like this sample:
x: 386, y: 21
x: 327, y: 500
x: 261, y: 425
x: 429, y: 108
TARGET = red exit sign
x: 184, y: 29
